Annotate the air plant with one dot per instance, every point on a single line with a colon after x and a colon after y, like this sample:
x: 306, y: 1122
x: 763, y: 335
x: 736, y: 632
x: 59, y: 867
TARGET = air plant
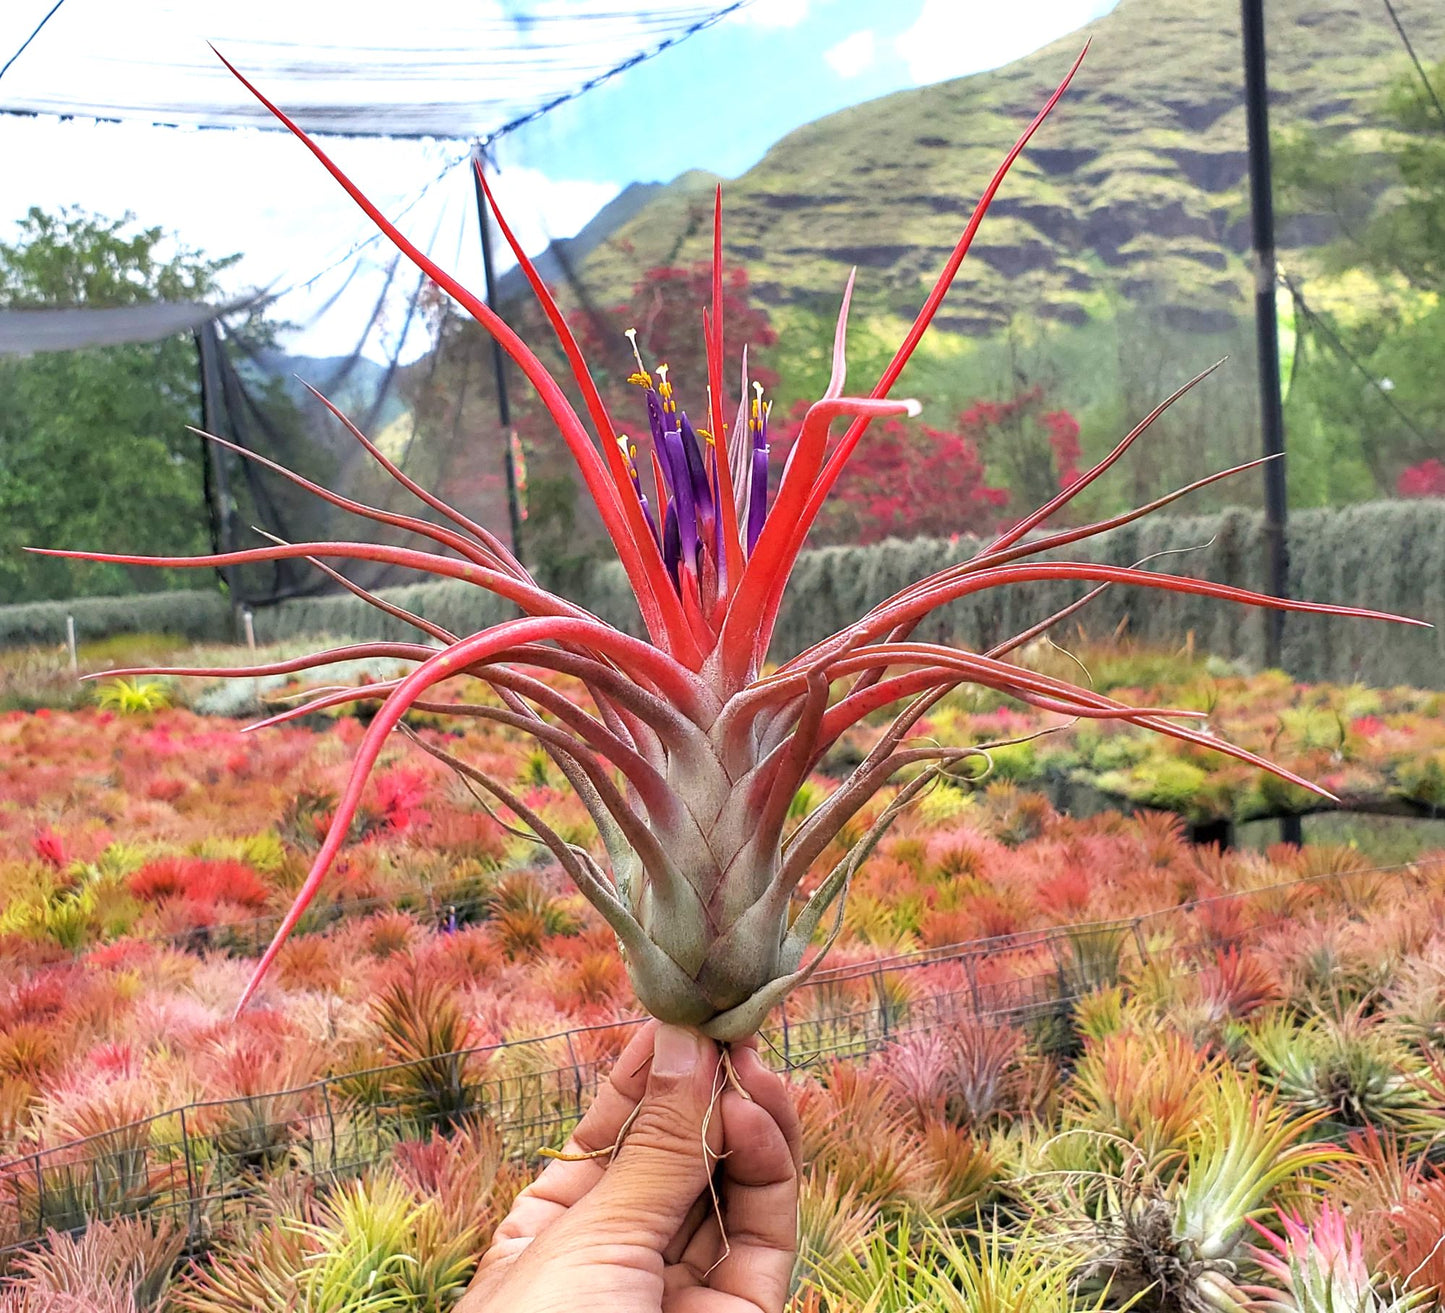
x: 132, y: 697
x: 691, y: 756
x: 1166, y: 1228
x: 923, y: 1266
x: 1321, y: 1268
x: 1349, y: 1069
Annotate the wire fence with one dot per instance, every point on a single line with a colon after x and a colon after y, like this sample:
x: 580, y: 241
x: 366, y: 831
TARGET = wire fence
x: 202, y: 1165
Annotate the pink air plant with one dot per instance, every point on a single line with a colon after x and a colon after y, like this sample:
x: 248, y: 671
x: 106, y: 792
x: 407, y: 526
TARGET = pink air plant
x: 691, y: 754
x: 1321, y: 1265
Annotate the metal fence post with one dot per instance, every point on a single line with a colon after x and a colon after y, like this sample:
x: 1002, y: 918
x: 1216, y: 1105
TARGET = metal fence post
x: 970, y: 969
x: 1140, y: 943
x: 882, y: 1000
x: 39, y: 1198
x: 330, y: 1120
x: 576, y: 1073
x: 193, y: 1214
x: 787, y: 1048
x: 1059, y: 967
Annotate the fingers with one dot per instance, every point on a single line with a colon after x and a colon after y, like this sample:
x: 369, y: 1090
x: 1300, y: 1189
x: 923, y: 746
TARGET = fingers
x: 770, y: 1091
x: 563, y: 1183
x: 751, y: 1255
x: 663, y: 1167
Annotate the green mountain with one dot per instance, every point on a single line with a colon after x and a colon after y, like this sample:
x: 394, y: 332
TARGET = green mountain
x: 1135, y: 190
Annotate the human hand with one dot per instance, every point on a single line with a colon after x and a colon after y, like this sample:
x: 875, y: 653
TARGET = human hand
x: 639, y: 1232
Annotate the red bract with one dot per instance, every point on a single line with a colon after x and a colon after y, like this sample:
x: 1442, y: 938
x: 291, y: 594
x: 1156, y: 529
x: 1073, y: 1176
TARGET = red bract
x: 692, y: 756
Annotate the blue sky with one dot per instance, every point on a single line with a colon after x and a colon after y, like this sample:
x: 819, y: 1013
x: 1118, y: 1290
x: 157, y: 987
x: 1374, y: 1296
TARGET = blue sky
x: 715, y: 102
x: 718, y: 101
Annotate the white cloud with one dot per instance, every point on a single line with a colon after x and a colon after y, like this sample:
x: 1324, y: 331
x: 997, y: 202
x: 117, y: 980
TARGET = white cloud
x: 852, y: 55
x: 952, y: 38
x: 772, y: 13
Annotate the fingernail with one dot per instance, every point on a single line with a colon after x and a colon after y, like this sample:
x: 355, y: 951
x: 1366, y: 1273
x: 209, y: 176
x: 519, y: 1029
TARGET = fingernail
x: 675, y: 1051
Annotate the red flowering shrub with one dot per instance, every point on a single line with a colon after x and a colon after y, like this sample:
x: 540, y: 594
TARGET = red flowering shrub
x: 663, y: 309
x: 1427, y: 479
x: 912, y: 481
x: 1063, y: 431
x: 904, y: 481
x: 1036, y: 450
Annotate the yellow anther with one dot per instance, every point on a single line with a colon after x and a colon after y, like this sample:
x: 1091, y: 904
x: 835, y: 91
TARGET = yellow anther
x: 643, y: 380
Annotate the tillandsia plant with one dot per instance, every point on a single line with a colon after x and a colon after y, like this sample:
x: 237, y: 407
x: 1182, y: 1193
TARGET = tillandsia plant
x: 1321, y: 1268
x: 692, y: 753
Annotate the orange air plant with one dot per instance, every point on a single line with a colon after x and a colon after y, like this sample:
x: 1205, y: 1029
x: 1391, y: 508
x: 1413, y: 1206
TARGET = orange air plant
x: 691, y: 754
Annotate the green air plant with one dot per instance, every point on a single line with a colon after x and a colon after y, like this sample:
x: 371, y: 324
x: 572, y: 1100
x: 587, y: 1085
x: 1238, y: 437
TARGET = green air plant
x: 926, y: 1267
x: 692, y: 754
x: 132, y: 697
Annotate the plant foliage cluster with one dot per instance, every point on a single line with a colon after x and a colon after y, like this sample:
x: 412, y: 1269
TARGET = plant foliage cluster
x: 1120, y: 1145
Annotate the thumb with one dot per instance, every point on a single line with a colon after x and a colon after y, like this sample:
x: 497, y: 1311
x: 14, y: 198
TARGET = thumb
x: 663, y: 1166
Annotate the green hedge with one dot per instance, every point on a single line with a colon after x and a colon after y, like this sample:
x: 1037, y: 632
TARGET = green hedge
x: 1387, y: 555
x: 198, y: 615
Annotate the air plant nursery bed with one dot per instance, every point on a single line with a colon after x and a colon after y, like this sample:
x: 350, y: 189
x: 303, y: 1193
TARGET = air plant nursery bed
x: 1379, y: 751
x: 1156, y: 1042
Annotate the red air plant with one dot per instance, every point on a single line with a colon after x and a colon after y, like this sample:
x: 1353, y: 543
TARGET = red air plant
x: 692, y: 754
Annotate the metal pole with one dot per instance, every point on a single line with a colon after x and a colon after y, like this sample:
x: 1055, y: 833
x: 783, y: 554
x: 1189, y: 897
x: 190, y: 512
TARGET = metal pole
x: 499, y: 359
x: 217, y: 486
x: 1266, y: 332
x: 1266, y: 328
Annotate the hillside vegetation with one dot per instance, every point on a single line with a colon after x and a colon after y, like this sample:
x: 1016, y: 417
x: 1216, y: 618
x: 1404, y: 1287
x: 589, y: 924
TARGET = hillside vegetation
x: 1136, y: 190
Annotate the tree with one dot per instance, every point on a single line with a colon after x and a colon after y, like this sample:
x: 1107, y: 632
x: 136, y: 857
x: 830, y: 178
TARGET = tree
x: 904, y: 480
x: 93, y: 444
x: 1036, y: 449
x: 1369, y: 392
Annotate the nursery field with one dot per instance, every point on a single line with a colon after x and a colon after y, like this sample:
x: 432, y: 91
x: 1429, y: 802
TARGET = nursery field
x: 1058, y: 1059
